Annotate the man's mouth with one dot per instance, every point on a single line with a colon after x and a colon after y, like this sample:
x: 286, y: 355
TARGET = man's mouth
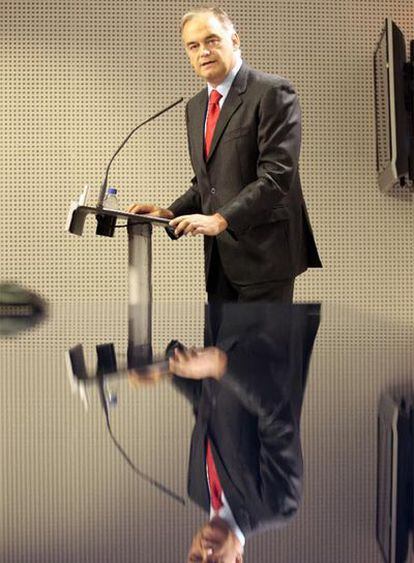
x: 207, y: 64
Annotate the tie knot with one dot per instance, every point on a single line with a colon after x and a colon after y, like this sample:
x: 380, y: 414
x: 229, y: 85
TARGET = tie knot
x: 215, y: 97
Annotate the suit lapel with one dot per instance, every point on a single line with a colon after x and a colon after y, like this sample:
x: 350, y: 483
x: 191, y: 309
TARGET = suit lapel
x: 198, y: 128
x: 231, y: 104
x: 198, y: 115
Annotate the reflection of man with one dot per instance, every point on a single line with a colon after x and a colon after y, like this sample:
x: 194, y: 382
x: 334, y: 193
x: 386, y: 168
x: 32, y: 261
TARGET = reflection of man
x: 244, y: 134
x: 245, y: 465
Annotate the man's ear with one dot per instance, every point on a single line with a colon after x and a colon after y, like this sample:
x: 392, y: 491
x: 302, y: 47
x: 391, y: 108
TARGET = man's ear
x: 236, y: 45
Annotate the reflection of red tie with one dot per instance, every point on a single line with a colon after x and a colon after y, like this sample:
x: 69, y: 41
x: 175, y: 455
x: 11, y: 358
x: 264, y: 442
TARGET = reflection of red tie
x: 214, y: 481
x: 212, y: 117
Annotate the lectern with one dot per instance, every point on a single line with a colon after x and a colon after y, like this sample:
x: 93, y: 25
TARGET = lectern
x: 139, y: 264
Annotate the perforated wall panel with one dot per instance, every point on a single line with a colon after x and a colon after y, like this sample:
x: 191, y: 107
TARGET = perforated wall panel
x: 77, y: 77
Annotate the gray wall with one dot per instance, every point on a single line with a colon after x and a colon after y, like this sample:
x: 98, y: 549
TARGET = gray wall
x: 77, y: 77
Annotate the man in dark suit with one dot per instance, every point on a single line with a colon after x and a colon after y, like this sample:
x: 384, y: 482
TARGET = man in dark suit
x: 244, y: 133
x: 247, y: 394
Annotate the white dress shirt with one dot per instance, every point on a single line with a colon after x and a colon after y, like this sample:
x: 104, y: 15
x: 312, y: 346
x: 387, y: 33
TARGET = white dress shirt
x: 226, y: 514
x: 225, y: 86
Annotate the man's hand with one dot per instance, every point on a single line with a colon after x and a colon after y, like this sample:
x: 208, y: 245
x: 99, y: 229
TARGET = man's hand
x: 199, y: 364
x: 209, y: 225
x: 148, y: 208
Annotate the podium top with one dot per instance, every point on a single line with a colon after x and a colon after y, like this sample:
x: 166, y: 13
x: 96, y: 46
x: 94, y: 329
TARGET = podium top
x: 77, y: 215
x: 156, y: 221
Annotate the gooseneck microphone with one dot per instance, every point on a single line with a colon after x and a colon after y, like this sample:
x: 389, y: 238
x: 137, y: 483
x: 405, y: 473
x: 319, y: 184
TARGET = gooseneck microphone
x: 160, y: 486
x: 105, y: 180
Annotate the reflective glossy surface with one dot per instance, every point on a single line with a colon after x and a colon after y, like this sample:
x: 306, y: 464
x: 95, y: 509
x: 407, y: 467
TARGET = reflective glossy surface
x: 306, y: 408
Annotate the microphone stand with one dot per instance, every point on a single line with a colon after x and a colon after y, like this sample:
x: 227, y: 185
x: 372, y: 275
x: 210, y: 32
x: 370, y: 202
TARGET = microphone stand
x: 105, y: 180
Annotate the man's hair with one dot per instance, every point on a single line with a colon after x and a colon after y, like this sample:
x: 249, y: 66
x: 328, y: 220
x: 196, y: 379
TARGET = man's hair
x: 208, y: 9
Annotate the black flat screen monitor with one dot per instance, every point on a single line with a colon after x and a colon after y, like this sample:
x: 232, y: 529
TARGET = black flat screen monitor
x: 394, y: 469
x: 392, y: 117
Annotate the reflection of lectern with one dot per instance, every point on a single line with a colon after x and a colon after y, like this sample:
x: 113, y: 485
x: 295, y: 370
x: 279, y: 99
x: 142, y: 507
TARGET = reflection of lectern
x: 139, y: 260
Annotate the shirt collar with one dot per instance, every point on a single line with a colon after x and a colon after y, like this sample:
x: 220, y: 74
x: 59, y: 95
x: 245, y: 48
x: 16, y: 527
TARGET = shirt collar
x: 226, y: 514
x: 225, y: 86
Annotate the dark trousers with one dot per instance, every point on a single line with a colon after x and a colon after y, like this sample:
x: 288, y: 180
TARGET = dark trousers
x: 219, y: 288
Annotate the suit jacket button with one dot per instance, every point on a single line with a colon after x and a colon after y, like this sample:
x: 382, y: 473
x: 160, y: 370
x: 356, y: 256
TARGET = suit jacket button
x: 213, y: 190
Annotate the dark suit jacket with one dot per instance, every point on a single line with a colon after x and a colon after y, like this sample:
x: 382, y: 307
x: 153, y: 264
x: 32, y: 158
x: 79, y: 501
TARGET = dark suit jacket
x: 251, y: 178
x: 252, y: 415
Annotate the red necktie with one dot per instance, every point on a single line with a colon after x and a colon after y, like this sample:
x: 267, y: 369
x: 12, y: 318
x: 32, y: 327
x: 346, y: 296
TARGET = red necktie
x: 212, y: 117
x: 214, y: 481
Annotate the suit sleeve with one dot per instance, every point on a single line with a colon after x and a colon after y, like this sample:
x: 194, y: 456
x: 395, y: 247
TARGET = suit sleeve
x: 190, y: 201
x: 281, y: 463
x: 279, y: 482
x: 259, y: 395
x: 190, y: 389
x: 278, y: 143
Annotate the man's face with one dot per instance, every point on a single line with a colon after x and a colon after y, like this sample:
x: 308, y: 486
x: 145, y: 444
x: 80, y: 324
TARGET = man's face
x: 215, y: 543
x: 210, y: 46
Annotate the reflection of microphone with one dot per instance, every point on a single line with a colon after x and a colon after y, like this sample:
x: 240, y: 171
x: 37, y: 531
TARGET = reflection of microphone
x: 107, y: 364
x: 105, y: 180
